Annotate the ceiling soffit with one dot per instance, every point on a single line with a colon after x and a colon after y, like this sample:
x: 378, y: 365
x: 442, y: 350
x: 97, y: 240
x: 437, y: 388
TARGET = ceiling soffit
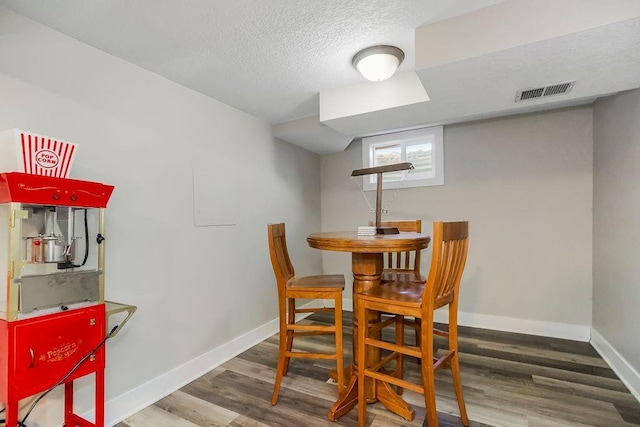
x: 478, y: 74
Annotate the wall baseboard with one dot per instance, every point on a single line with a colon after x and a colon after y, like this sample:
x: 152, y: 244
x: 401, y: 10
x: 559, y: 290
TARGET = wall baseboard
x: 510, y: 324
x: 137, y: 399
x: 133, y: 401
x: 627, y: 374
x: 521, y: 326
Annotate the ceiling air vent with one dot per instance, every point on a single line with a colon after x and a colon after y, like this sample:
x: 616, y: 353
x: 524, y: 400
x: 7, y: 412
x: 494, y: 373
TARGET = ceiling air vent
x: 541, y: 92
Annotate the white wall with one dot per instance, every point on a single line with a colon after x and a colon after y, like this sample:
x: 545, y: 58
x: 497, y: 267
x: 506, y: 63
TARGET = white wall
x: 525, y: 185
x: 616, y: 234
x: 197, y: 289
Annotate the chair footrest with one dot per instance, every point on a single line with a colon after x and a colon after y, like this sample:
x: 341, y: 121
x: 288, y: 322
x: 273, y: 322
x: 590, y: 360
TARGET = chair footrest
x: 324, y: 328
x: 408, y: 350
x: 395, y: 381
x: 300, y: 355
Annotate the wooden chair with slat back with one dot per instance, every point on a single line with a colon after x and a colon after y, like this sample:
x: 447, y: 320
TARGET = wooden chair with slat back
x: 291, y: 287
x: 402, y: 266
x: 449, y: 254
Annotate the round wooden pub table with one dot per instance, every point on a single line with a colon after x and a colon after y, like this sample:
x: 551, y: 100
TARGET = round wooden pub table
x: 367, y: 265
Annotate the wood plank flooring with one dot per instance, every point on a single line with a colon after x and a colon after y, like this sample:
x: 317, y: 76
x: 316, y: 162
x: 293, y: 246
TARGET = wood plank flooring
x: 509, y: 380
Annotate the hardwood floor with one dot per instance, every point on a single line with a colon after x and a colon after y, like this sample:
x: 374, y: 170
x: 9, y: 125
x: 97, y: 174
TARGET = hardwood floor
x: 509, y: 380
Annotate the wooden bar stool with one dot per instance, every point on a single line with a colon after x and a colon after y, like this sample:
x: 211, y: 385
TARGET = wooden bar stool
x: 290, y: 287
x: 450, y: 243
x: 404, y: 267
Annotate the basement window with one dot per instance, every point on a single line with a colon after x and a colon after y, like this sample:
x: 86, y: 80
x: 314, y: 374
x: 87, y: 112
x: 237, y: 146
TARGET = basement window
x: 422, y: 147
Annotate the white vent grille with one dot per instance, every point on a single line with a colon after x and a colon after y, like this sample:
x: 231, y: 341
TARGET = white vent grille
x: 540, y: 92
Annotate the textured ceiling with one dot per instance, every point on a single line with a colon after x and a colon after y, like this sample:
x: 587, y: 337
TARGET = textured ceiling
x: 288, y: 62
x: 269, y: 58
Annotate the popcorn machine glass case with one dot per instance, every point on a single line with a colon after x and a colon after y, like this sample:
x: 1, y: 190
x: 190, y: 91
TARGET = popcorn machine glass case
x: 52, y: 310
x: 55, y: 253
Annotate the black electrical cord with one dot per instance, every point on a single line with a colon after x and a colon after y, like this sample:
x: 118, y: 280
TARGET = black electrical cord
x: 20, y: 424
x: 3, y: 421
x: 67, y: 375
x: 68, y: 264
x: 86, y: 240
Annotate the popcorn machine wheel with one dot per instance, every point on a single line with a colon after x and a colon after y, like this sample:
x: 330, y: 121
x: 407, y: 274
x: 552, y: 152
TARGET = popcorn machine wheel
x: 54, y: 320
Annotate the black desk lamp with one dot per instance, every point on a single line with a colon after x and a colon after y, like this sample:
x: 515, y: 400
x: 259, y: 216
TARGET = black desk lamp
x: 380, y: 170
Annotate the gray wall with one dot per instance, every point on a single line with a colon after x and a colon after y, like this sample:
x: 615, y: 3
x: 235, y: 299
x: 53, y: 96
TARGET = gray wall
x: 616, y: 229
x: 198, y: 289
x: 525, y: 185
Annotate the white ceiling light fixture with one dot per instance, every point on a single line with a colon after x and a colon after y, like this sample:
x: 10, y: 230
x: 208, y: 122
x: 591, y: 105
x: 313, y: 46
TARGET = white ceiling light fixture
x: 378, y: 63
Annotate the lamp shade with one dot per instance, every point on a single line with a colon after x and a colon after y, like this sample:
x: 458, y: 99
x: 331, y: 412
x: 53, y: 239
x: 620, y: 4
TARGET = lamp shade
x: 378, y: 63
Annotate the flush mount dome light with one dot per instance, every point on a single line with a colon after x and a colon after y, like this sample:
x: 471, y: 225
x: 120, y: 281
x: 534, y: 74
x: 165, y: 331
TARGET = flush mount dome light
x: 378, y: 63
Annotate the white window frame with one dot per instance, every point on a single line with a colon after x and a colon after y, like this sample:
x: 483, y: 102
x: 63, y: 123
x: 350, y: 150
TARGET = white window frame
x: 405, y: 139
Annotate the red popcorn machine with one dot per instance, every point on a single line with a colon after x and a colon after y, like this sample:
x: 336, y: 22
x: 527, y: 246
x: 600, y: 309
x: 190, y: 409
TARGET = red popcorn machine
x: 53, y: 315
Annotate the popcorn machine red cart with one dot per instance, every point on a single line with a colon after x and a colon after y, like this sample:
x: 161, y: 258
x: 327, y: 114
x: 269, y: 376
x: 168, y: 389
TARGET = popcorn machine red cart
x: 53, y: 315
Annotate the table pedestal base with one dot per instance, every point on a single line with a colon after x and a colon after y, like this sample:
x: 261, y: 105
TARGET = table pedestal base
x: 384, y: 394
x: 367, y: 264
x: 393, y: 401
x: 347, y: 400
